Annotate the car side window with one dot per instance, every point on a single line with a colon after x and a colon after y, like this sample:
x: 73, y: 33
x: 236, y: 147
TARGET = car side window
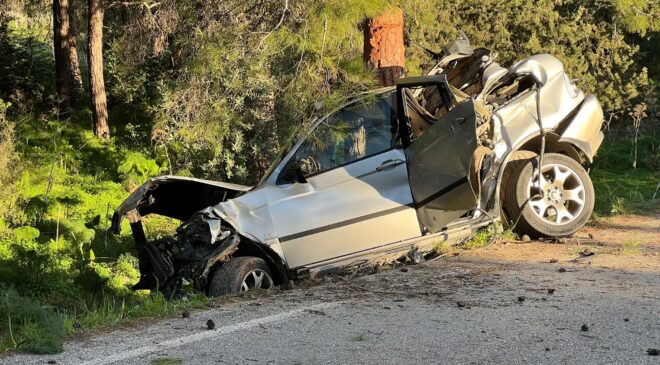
x: 354, y: 132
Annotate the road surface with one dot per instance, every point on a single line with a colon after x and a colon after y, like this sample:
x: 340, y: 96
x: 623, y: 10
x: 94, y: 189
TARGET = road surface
x: 510, y: 303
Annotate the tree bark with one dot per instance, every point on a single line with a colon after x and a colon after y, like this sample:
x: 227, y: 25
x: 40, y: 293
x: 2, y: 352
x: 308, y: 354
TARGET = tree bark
x: 61, y: 53
x: 74, y: 60
x: 383, y: 45
x: 95, y: 59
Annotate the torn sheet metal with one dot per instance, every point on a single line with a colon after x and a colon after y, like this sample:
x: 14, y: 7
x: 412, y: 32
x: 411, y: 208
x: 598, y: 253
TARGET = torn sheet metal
x: 175, y: 197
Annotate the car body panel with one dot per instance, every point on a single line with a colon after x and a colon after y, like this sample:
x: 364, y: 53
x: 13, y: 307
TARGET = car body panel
x: 313, y: 220
x: 584, y: 129
x: 517, y: 120
x: 439, y: 163
x: 175, y: 197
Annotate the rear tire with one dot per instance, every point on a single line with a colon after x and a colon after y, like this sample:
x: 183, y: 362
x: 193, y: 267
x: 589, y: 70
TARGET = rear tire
x: 563, y: 205
x: 240, y: 274
x: 517, y: 159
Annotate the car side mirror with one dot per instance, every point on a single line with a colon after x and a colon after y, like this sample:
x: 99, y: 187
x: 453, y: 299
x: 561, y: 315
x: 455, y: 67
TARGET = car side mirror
x: 300, y: 177
x: 293, y: 173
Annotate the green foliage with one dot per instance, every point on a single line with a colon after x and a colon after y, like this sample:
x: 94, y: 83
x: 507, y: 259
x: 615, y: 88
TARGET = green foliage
x: 136, y: 168
x: 25, y: 62
x: 586, y: 36
x: 630, y: 247
x: 620, y: 189
x: 484, y: 236
x: 28, y: 325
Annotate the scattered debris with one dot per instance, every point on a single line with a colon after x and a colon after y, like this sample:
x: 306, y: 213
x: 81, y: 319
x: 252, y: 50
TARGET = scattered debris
x: 552, y: 261
x: 653, y: 352
x: 591, y: 235
x: 210, y: 324
x: 314, y: 311
x: 525, y: 238
x: 460, y: 304
x: 52, y: 362
x: 403, y: 269
x: 551, y: 291
x: 547, y: 349
x: 185, y: 314
x: 76, y: 324
x: 415, y: 256
x: 521, y: 298
x: 626, y: 320
x: 586, y: 252
x: 358, y: 337
x: 584, y: 328
x: 561, y: 269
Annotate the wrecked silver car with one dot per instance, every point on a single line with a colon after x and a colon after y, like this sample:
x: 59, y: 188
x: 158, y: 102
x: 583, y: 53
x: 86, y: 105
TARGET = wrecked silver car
x: 391, y: 172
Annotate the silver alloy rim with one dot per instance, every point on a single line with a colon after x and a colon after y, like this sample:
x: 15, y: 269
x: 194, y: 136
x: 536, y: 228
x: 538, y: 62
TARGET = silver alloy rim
x: 560, y: 194
x: 256, y: 279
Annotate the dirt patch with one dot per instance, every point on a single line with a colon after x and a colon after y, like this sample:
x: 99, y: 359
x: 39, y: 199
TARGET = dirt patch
x: 620, y: 242
x: 620, y: 245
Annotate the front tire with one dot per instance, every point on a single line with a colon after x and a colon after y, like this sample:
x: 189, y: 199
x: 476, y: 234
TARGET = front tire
x: 240, y: 274
x: 557, y: 205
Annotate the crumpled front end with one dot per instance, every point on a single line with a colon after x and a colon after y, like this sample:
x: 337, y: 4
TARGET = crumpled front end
x: 200, y: 242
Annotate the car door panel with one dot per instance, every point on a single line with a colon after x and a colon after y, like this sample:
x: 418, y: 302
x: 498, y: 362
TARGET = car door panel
x: 438, y: 168
x: 345, y: 210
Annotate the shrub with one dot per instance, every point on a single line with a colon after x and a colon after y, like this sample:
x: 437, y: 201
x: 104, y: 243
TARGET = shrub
x: 28, y: 326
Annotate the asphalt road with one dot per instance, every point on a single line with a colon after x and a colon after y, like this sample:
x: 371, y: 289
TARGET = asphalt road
x: 508, y: 304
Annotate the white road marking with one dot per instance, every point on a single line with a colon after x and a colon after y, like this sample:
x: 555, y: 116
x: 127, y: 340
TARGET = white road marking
x: 200, y: 336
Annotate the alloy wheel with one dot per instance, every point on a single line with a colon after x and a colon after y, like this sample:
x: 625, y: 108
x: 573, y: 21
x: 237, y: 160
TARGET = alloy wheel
x: 558, y: 195
x: 256, y: 279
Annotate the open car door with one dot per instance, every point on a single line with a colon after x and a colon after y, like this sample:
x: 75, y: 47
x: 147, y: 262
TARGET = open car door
x: 439, y: 154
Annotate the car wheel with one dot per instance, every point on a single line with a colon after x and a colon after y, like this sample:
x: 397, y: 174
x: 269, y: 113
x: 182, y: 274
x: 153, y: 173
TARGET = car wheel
x: 518, y: 158
x: 560, y: 203
x: 240, y: 274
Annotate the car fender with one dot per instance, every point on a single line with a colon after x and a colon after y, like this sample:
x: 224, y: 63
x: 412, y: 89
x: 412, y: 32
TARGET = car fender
x: 584, y: 129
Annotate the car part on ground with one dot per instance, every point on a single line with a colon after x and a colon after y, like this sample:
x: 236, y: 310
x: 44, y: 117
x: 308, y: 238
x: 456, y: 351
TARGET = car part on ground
x: 390, y: 172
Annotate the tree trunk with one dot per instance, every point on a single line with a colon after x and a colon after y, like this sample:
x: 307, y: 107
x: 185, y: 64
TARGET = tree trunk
x: 383, y: 45
x: 61, y: 53
x: 76, y: 75
x: 95, y: 59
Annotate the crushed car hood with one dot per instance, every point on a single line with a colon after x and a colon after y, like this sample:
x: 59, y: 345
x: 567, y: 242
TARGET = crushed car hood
x: 175, y: 197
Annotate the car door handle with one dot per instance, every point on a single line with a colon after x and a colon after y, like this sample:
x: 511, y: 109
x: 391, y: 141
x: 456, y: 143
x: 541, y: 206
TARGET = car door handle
x: 460, y: 120
x: 389, y: 164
